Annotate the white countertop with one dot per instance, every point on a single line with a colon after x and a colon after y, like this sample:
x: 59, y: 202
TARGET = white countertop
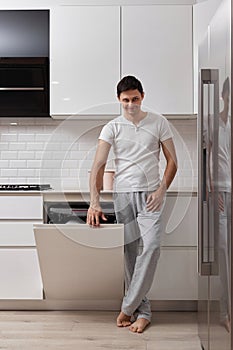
x: 86, y: 191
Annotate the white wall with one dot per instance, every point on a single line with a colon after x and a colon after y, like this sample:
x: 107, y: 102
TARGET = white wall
x: 61, y: 152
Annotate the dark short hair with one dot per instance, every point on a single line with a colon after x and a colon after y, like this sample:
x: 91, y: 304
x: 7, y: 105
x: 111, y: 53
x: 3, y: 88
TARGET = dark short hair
x: 129, y: 82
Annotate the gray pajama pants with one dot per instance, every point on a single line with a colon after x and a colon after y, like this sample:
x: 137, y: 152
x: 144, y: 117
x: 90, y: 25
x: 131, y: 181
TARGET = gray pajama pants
x: 142, y: 250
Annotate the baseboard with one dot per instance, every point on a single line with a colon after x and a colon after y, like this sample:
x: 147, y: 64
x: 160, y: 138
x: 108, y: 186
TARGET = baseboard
x: 102, y: 305
x: 174, y: 305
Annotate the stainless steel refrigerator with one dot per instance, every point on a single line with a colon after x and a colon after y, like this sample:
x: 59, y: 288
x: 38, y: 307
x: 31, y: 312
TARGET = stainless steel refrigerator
x: 215, y: 177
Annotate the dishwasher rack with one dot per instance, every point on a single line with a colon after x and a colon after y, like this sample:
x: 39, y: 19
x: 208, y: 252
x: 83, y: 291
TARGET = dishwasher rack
x: 74, y: 212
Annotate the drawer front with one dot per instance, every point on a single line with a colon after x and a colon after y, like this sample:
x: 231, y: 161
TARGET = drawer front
x: 20, y: 274
x: 21, y: 207
x: 17, y: 233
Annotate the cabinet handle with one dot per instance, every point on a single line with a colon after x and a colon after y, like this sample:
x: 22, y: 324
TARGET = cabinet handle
x: 208, y: 213
x: 21, y: 88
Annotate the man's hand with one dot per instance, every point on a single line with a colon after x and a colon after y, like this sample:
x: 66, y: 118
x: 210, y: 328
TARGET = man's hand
x: 94, y: 215
x: 155, y: 200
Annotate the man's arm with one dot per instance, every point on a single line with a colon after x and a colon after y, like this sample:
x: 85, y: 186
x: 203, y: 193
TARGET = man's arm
x: 154, y: 200
x: 96, y: 183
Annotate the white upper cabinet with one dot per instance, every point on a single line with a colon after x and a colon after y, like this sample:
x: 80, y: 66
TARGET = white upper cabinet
x: 85, y: 60
x: 157, y: 48
x: 92, y: 47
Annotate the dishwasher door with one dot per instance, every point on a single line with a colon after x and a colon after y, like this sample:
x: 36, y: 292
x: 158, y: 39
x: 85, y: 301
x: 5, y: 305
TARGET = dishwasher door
x: 78, y: 262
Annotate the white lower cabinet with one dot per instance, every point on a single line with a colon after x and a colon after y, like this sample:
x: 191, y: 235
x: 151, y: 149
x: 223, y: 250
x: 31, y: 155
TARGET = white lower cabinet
x: 21, y: 207
x: 20, y: 274
x: 176, y: 275
x: 19, y: 268
x: 180, y: 221
x: 18, y: 233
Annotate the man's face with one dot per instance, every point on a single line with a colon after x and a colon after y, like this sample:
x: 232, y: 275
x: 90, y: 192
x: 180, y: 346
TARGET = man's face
x: 131, y: 101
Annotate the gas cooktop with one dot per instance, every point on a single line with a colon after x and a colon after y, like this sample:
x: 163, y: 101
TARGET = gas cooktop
x: 25, y: 187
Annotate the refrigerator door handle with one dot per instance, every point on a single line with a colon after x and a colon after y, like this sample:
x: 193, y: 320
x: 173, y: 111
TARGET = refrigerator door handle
x: 208, y: 221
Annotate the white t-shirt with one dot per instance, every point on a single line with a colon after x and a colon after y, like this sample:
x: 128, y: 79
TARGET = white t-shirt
x: 224, y: 153
x: 136, y: 150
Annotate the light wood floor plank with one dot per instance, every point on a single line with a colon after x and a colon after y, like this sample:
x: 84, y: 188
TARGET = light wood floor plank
x: 80, y: 330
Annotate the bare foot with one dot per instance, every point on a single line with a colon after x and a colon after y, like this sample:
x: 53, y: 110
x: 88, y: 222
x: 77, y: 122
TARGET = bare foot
x: 123, y: 320
x: 139, y: 325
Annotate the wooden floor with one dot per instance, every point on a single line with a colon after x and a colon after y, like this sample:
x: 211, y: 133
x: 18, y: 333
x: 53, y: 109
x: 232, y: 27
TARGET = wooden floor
x: 94, y: 330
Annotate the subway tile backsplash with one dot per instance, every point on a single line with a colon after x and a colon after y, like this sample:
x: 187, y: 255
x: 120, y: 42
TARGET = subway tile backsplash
x: 61, y: 152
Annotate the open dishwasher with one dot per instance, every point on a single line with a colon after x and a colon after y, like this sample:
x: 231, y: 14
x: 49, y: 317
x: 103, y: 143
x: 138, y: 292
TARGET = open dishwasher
x: 79, y: 262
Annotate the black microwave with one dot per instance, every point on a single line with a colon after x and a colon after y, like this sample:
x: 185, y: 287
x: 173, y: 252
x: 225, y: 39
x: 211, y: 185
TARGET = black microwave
x: 24, y: 87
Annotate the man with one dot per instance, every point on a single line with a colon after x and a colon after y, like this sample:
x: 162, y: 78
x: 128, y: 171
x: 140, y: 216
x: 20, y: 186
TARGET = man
x: 136, y: 137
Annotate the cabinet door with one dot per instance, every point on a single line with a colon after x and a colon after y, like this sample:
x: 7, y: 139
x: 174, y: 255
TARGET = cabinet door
x: 176, y: 275
x: 85, y: 60
x: 157, y: 48
x: 20, y: 274
x: 178, y: 213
